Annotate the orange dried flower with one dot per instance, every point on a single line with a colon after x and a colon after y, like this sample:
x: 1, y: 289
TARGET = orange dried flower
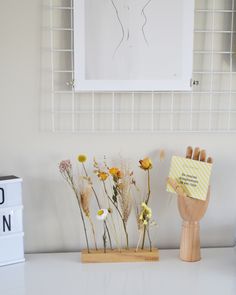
x: 103, y: 175
x: 145, y: 164
x: 115, y: 172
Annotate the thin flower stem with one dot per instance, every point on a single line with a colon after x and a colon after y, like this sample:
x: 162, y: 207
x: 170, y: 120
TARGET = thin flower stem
x: 144, y: 235
x: 109, y: 236
x: 149, y: 188
x: 85, y: 231
x: 98, y: 203
x: 93, y: 231
x: 118, y: 244
x: 126, y: 234
x: 69, y: 179
x: 82, y: 216
x: 147, y: 200
x: 150, y: 242
x: 95, y: 194
x: 104, y: 239
x: 118, y: 210
x: 139, y: 240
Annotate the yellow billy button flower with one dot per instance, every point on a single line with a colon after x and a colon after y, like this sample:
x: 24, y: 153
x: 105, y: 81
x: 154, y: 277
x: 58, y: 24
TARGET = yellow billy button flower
x: 102, y: 175
x: 102, y: 214
x: 145, y: 164
x: 82, y: 158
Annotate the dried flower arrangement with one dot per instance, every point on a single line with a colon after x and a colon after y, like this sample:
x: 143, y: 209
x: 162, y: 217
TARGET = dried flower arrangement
x: 115, y: 203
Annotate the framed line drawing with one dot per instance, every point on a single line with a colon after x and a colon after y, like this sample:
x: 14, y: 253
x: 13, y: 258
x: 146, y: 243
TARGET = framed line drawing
x: 133, y: 45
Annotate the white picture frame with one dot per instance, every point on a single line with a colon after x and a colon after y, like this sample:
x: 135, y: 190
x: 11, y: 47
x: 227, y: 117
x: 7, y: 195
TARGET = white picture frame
x: 133, y: 45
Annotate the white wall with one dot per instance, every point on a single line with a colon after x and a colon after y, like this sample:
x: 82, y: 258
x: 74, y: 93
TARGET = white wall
x: 51, y: 218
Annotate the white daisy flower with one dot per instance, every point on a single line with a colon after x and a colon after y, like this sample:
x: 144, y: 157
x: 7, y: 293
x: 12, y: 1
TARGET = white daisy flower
x: 102, y: 214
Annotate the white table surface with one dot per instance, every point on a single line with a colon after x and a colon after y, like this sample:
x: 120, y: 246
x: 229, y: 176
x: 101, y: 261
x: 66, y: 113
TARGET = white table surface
x: 57, y: 274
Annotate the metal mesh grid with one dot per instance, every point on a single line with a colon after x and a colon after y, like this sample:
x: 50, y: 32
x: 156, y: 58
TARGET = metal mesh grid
x: 210, y: 107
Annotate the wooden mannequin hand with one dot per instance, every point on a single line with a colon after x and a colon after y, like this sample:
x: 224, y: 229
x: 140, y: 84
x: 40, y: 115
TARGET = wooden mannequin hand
x: 191, y: 210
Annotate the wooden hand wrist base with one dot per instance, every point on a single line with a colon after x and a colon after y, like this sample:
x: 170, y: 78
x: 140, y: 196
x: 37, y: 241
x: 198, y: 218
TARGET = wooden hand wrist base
x: 190, y: 241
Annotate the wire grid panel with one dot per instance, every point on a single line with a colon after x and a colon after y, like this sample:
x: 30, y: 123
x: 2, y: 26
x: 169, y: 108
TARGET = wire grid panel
x: 209, y: 107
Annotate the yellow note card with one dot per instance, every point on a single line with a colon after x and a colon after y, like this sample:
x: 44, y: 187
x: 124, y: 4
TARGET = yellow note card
x: 192, y: 175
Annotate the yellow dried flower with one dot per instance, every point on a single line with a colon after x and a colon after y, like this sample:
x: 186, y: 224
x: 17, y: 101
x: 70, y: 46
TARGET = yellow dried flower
x: 146, y: 214
x: 115, y: 172
x: 82, y: 158
x: 144, y: 205
x: 103, y: 175
x: 145, y: 164
x: 148, y: 210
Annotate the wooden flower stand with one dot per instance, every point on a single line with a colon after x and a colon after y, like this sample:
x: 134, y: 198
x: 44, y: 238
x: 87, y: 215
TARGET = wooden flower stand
x: 124, y: 255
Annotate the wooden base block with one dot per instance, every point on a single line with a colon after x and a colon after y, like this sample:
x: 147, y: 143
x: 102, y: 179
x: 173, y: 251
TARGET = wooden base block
x: 124, y: 255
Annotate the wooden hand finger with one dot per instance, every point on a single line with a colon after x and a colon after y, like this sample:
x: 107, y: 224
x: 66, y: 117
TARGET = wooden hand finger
x: 196, y: 153
x: 189, y: 152
x: 210, y: 160
x: 203, y: 156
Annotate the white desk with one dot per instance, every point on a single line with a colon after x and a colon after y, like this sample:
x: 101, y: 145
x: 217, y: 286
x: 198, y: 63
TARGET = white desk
x: 57, y: 274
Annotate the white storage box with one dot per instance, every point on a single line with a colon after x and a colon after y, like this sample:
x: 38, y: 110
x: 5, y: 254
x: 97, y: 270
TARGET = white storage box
x: 11, y: 223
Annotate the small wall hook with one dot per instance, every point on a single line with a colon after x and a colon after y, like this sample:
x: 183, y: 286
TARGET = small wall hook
x: 194, y: 82
x: 70, y: 83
